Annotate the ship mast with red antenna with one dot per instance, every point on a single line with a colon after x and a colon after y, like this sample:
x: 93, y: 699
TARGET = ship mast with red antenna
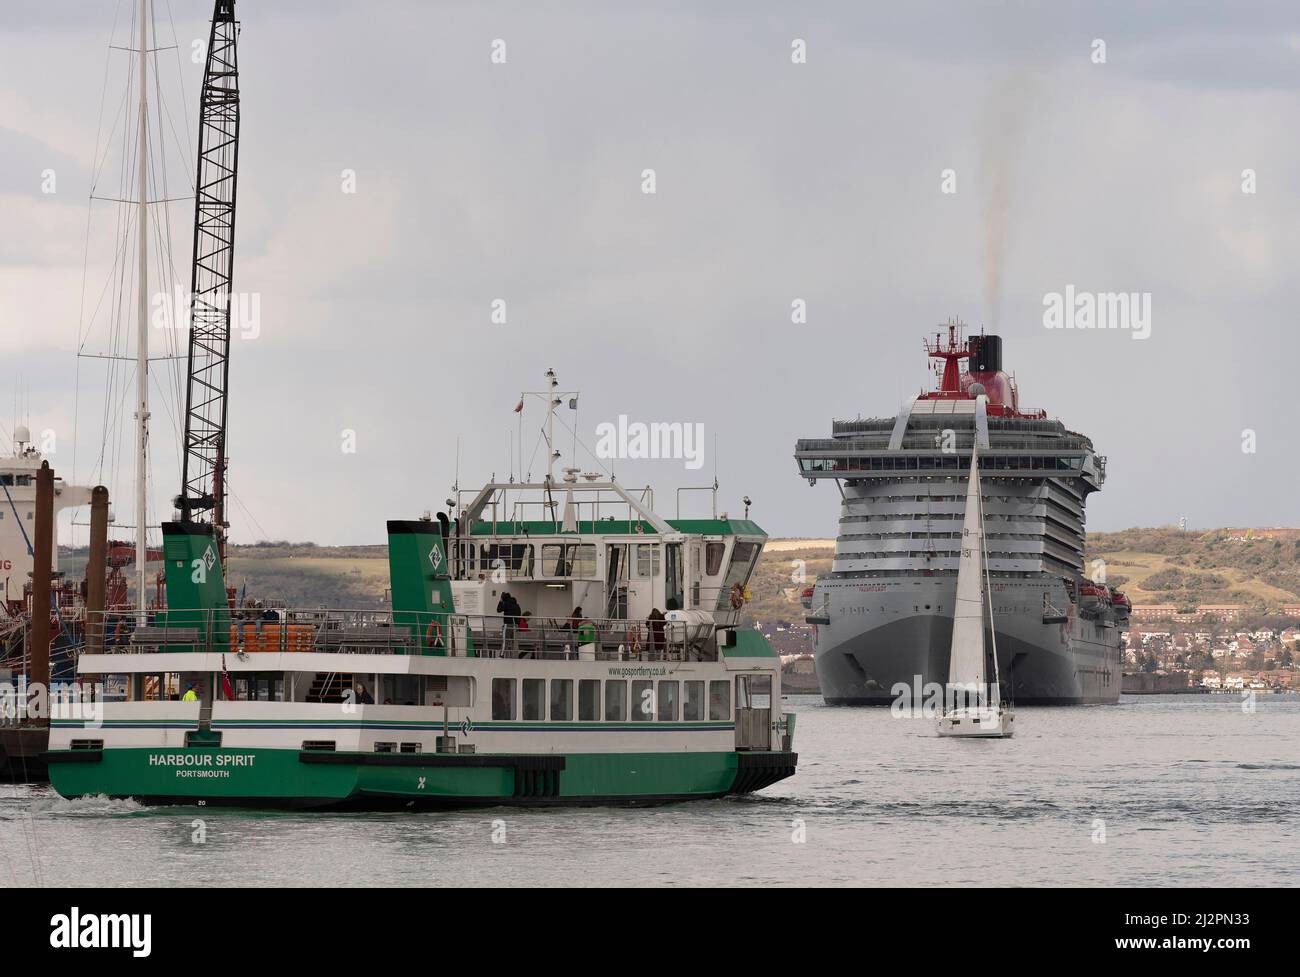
x: 952, y: 353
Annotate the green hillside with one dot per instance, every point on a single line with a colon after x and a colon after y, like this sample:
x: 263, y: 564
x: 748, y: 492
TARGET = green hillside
x: 1259, y: 568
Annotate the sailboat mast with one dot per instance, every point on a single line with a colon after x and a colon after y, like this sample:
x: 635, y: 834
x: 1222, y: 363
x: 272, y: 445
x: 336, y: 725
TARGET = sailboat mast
x: 995, y: 692
x: 142, y: 328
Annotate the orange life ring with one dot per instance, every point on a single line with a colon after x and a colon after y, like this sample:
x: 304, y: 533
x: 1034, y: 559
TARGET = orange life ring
x: 433, y: 633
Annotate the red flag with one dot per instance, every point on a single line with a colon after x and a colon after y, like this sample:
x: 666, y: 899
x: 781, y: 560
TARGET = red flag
x: 227, y: 692
x: 520, y: 408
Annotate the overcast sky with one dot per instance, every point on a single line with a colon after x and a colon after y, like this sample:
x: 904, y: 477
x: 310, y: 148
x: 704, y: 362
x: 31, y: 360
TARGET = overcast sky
x: 775, y: 181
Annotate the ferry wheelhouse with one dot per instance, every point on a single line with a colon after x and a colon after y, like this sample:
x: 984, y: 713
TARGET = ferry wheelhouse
x: 616, y: 671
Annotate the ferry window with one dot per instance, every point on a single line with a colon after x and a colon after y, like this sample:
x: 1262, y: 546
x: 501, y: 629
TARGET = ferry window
x: 667, y: 702
x: 743, y: 557
x: 410, y: 747
x: 647, y: 560
x: 754, y: 692
x: 582, y: 560
x: 643, y: 702
x: 534, y: 693
x: 385, y: 747
x: 552, y: 561
x: 399, y: 690
x: 693, y: 701
x: 569, y: 560
x: 503, y: 698
x: 673, y: 577
x: 589, y: 699
x: 720, y: 700
x: 561, y: 699
x: 615, y: 700
x: 515, y: 558
x: 259, y: 687
x: 616, y: 561
x: 713, y: 558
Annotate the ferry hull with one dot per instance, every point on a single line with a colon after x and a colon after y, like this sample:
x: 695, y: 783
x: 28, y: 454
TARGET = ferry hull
x: 294, y: 778
x: 862, y: 662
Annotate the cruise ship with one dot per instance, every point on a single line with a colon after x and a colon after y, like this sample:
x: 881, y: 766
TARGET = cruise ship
x: 883, y: 616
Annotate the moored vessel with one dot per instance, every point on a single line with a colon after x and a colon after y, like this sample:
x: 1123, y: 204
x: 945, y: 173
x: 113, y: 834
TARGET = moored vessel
x: 27, y: 672
x: 883, y: 615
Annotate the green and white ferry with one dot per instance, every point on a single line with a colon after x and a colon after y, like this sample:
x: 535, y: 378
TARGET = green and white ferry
x: 574, y: 691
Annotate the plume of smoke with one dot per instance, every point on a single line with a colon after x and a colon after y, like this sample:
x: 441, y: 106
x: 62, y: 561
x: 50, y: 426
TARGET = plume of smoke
x: 1002, y: 123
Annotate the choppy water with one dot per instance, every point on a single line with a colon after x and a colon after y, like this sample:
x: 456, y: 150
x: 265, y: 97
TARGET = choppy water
x: 1191, y: 790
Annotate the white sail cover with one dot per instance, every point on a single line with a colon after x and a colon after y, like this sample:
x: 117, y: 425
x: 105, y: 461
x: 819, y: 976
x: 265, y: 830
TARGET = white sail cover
x: 966, y: 657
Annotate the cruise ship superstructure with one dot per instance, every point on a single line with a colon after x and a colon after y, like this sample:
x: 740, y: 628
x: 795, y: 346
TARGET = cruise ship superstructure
x: 883, y: 616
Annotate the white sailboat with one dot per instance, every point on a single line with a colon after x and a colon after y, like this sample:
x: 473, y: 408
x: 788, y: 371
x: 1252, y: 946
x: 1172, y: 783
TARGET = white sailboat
x: 973, y: 706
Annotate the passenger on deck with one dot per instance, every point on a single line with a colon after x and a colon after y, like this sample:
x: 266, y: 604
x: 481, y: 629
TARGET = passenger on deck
x: 510, y: 611
x: 655, y: 625
x: 190, y: 695
x: 364, y: 698
x: 575, y: 619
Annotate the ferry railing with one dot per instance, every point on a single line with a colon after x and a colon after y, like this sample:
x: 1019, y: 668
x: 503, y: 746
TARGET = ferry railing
x: 332, y: 630
x: 591, y: 639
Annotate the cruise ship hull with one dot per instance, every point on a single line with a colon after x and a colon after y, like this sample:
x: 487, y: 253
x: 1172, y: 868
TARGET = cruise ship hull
x: 884, y: 612
x: 881, y: 640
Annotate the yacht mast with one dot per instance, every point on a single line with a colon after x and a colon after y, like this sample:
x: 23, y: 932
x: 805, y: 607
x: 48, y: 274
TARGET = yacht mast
x: 966, y: 668
x: 995, y: 691
x: 142, y: 330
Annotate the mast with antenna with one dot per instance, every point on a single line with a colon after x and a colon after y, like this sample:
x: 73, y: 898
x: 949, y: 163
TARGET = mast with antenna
x: 142, y: 328
x: 551, y: 404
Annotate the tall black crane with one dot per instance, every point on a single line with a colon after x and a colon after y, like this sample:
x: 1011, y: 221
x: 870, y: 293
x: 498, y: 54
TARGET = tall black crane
x: 204, y: 461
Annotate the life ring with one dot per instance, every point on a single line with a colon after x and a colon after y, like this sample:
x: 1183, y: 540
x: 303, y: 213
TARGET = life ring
x: 737, y: 596
x: 433, y: 634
